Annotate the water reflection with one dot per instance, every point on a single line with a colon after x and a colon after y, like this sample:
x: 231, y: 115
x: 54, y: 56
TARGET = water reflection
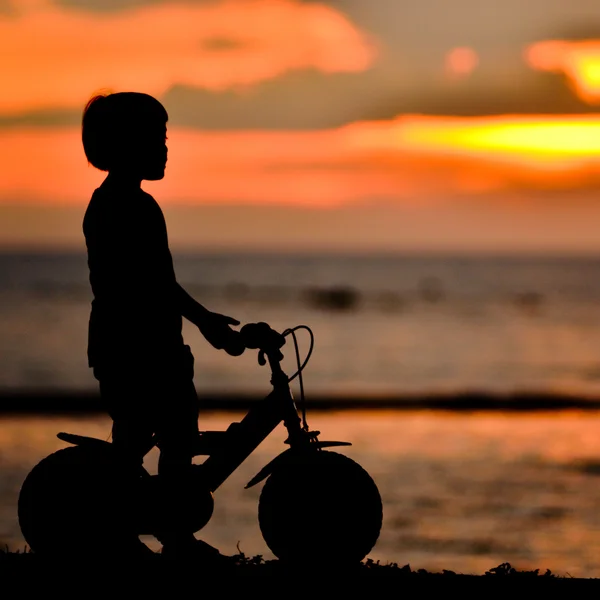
x: 460, y: 492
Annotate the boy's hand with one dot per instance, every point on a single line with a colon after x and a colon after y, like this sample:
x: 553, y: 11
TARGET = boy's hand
x: 215, y: 328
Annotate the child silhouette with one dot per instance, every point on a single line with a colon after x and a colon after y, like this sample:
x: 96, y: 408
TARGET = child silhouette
x: 135, y: 343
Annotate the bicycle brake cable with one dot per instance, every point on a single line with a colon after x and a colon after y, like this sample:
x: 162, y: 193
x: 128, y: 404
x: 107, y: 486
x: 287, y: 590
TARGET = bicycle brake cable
x: 298, y: 373
x: 312, y: 343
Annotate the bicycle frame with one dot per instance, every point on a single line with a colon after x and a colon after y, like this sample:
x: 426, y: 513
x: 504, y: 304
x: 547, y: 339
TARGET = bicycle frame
x: 228, y: 449
x: 259, y: 422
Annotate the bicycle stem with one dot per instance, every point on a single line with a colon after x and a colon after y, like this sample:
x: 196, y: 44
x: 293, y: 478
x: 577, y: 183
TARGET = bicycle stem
x: 280, y: 383
x: 258, y: 423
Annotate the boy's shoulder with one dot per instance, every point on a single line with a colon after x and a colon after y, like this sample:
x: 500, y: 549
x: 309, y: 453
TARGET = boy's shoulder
x: 119, y: 207
x: 100, y: 202
x: 110, y: 197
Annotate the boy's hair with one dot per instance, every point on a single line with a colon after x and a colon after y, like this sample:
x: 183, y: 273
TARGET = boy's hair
x: 110, y: 118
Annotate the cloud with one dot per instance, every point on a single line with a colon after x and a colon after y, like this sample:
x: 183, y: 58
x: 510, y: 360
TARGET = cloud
x: 102, y: 6
x: 41, y: 118
x: 313, y: 100
x: 310, y: 99
x: 527, y: 93
x: 60, y: 57
x: 279, y: 64
x: 6, y: 7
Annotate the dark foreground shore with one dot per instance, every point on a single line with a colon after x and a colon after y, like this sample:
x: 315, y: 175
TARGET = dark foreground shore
x: 29, y: 571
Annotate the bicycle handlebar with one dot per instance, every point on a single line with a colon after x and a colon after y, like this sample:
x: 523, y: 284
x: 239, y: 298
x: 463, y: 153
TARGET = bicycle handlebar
x: 261, y: 336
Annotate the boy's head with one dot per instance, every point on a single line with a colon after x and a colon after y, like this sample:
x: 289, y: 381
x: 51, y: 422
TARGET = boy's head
x: 126, y: 132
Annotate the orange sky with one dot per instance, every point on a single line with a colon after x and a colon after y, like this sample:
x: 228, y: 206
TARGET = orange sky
x: 232, y: 43
x: 55, y: 57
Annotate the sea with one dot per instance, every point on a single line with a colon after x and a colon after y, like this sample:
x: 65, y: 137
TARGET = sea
x: 463, y: 490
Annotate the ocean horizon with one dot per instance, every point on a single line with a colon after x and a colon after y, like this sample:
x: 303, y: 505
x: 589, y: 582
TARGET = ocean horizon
x: 391, y: 326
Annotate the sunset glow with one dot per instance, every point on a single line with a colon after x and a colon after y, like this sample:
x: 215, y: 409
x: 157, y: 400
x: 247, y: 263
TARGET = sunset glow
x: 537, y: 140
x: 579, y: 61
x: 407, y: 158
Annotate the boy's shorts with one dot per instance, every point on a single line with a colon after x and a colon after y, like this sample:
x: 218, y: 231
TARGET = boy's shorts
x: 160, y: 398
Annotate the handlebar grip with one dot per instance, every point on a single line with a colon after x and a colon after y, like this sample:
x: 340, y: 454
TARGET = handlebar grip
x: 263, y: 337
x: 235, y: 345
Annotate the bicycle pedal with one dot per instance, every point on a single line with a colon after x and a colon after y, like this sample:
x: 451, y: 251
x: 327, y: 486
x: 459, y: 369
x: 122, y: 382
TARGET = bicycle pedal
x: 208, y: 441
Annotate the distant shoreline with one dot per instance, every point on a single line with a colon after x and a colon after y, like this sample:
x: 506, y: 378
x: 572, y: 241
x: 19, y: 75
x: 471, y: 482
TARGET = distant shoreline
x: 34, y: 402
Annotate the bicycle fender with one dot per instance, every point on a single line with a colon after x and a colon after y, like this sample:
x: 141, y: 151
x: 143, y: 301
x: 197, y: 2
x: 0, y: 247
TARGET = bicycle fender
x: 81, y: 440
x: 268, y: 468
x: 286, y: 456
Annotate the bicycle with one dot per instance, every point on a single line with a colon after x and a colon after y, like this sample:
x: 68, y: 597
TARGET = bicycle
x: 315, y: 505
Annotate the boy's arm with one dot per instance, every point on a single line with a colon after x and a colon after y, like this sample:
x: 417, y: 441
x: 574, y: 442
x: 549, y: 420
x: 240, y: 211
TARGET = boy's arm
x: 213, y: 326
x: 191, y: 309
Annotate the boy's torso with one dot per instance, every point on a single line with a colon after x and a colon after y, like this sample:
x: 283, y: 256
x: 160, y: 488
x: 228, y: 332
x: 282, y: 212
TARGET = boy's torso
x: 135, y: 316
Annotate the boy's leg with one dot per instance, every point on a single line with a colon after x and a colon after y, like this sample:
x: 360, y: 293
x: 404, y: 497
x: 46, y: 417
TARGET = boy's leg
x: 132, y: 428
x: 131, y: 438
x: 177, y: 431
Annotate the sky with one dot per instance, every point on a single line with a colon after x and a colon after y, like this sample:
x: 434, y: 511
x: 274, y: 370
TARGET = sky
x: 388, y: 125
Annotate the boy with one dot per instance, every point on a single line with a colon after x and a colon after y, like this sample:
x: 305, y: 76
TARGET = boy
x: 135, y: 345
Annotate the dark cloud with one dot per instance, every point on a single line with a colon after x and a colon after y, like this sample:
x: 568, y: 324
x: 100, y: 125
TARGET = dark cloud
x: 41, y: 118
x: 105, y: 5
x: 299, y: 100
x: 7, y: 8
x: 312, y: 100
x: 530, y: 93
x: 222, y: 44
x: 115, y: 5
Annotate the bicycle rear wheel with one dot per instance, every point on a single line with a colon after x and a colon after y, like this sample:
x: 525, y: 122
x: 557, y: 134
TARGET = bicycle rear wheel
x: 72, y: 501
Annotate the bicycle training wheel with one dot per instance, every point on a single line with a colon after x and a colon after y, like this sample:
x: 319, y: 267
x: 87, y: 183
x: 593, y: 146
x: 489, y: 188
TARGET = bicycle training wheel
x: 320, y: 507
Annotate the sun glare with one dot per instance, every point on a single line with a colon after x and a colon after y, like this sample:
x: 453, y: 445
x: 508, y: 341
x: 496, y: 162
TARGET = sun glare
x: 536, y: 139
x: 461, y: 61
x: 579, y: 61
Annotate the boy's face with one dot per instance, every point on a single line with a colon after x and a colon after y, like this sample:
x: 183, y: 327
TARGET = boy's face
x: 142, y: 152
x: 152, y: 152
